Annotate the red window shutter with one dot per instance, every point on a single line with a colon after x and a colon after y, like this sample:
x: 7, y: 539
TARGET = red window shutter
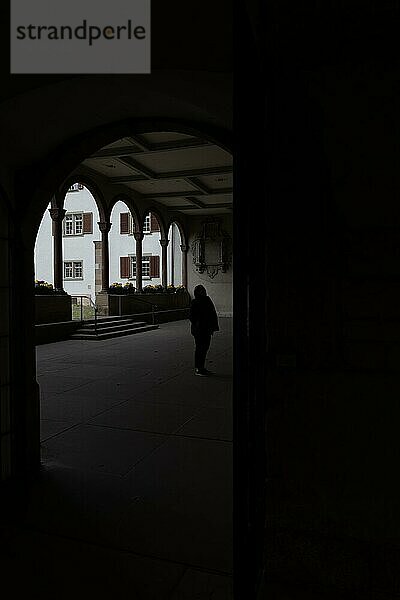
x: 87, y: 222
x: 125, y: 267
x: 124, y: 223
x: 154, y: 226
x: 154, y: 266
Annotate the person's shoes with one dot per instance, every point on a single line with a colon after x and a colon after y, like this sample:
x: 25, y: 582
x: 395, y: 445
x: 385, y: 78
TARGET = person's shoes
x: 200, y: 372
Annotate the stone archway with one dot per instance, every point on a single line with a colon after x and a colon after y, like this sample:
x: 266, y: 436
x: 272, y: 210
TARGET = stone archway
x: 28, y: 437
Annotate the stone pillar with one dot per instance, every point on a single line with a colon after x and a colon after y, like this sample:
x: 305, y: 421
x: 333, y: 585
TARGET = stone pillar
x: 164, y: 263
x: 139, y: 255
x: 105, y: 227
x: 184, y: 265
x: 57, y: 214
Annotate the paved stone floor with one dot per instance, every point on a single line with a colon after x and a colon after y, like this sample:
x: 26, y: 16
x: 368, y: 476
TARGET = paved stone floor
x: 135, y: 496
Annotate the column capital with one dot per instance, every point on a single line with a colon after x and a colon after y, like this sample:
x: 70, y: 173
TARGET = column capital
x: 164, y: 242
x: 104, y: 226
x: 184, y: 248
x: 138, y: 235
x: 57, y: 214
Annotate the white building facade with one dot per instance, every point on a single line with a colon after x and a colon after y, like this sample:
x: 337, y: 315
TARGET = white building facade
x: 81, y: 244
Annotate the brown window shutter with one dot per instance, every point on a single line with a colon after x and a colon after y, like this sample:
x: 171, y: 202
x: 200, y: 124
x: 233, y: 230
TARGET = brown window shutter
x: 154, y: 266
x: 154, y: 226
x: 87, y: 222
x: 125, y: 264
x: 124, y: 223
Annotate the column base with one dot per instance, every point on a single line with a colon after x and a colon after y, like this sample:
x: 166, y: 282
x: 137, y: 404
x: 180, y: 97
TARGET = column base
x: 102, y: 302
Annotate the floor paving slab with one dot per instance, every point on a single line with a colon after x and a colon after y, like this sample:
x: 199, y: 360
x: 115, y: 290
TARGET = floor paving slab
x: 146, y: 416
x: 102, y: 449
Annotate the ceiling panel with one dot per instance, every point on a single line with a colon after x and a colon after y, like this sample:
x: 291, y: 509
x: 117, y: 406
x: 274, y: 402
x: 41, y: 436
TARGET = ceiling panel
x: 215, y: 182
x: 162, y: 186
x: 206, y: 211
x: 174, y: 202
x: 185, y: 159
x: 119, y: 143
x: 110, y: 167
x: 216, y: 199
x: 171, y: 170
x: 165, y: 136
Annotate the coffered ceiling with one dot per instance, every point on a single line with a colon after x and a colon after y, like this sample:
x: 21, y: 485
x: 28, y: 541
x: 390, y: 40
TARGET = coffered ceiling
x: 182, y: 172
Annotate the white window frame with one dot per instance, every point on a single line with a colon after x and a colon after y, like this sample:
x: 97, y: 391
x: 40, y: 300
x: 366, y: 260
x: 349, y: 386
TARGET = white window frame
x: 147, y: 224
x: 76, y: 222
x: 76, y: 187
x: 75, y: 267
x: 131, y: 224
x: 145, y: 266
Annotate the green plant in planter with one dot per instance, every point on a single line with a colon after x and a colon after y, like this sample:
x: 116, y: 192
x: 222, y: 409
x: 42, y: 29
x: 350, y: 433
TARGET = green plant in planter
x: 129, y: 288
x: 149, y: 289
x: 171, y: 289
x: 180, y: 289
x: 43, y: 288
x: 116, y: 288
x: 158, y: 288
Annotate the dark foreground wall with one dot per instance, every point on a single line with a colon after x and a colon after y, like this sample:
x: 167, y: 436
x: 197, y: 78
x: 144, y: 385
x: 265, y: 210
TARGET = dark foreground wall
x: 333, y: 318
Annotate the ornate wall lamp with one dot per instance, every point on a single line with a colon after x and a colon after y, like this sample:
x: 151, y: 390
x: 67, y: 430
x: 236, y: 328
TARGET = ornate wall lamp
x: 212, y: 249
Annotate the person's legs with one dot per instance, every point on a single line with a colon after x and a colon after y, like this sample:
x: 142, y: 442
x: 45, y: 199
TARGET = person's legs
x: 202, y: 346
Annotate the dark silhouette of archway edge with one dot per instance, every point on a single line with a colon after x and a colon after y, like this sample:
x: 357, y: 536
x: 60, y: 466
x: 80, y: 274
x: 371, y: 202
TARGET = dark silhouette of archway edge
x: 42, y: 180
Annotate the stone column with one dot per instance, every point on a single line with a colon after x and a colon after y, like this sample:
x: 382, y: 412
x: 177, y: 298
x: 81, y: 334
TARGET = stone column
x: 139, y: 255
x: 184, y: 265
x: 105, y: 227
x: 164, y: 262
x: 57, y: 214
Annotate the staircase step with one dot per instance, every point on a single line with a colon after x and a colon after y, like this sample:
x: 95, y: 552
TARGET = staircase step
x: 110, y: 325
x: 112, y: 334
x: 105, y: 320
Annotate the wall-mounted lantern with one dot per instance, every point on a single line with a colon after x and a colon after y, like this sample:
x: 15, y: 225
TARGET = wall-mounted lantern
x: 212, y: 249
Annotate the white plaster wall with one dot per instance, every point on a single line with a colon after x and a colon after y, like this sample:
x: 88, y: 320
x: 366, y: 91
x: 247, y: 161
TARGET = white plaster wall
x: 81, y: 247
x: 43, y: 255
x: 218, y: 288
x: 174, y: 247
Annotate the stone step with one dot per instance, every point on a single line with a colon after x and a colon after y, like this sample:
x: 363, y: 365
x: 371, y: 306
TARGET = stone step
x: 90, y: 327
x: 108, y: 328
x: 108, y: 319
x: 112, y: 334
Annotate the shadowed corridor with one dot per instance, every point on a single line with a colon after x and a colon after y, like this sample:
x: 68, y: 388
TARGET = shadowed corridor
x: 135, y: 492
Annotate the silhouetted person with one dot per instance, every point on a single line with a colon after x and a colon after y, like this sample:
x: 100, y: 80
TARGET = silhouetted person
x: 203, y: 317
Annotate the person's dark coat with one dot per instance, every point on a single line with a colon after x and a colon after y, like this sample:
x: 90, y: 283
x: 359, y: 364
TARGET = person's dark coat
x: 203, y: 316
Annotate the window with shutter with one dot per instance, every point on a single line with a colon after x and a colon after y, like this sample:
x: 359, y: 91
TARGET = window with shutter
x: 154, y: 223
x: 88, y: 223
x: 154, y: 266
x: 73, y: 224
x: 124, y: 223
x: 125, y: 267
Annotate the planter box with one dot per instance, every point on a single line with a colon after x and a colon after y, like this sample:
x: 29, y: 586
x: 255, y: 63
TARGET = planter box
x: 53, y: 309
x: 128, y: 304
